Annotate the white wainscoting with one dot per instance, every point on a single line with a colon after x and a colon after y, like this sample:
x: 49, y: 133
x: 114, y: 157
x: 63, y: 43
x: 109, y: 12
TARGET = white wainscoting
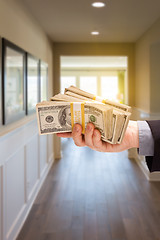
x: 25, y: 160
x: 32, y: 167
x: 42, y: 154
x: 138, y: 114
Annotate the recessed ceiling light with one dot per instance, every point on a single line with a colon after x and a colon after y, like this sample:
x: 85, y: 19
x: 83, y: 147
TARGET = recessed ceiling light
x: 98, y: 4
x: 95, y: 33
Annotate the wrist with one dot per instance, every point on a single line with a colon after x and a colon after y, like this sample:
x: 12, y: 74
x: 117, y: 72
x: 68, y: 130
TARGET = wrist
x: 133, y: 126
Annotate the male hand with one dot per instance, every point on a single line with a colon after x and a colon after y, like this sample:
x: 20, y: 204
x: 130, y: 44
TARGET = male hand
x: 92, y: 138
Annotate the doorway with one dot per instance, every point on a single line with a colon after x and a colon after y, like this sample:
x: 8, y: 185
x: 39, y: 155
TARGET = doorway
x: 105, y: 76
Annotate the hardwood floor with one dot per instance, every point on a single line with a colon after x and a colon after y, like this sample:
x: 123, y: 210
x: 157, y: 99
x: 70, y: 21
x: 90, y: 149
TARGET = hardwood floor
x: 94, y: 196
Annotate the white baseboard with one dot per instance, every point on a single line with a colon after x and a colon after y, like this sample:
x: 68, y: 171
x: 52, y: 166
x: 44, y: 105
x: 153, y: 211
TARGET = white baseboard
x: 154, y: 176
x: 139, y: 114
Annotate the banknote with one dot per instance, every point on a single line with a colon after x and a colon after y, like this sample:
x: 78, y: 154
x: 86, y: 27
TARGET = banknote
x: 121, y: 112
x: 74, y: 91
x: 55, y: 117
x: 120, y: 116
x: 78, y: 106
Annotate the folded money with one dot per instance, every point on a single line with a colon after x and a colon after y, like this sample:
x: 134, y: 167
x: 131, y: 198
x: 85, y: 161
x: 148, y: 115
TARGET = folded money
x: 77, y: 106
x: 121, y: 112
x: 60, y: 116
x: 76, y: 92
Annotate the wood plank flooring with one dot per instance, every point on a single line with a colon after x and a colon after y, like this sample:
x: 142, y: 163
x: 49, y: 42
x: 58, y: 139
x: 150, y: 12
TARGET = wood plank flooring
x: 94, y: 196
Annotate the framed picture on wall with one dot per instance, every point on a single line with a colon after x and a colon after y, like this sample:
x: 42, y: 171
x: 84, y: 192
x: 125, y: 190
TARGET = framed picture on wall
x: 43, y: 81
x: 13, y: 82
x: 33, y: 83
x: 0, y: 82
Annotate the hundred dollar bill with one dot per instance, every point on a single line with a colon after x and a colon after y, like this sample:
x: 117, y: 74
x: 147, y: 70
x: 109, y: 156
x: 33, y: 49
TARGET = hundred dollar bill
x: 119, y: 120
x: 72, y: 90
x: 55, y: 117
x: 124, y: 126
x: 120, y: 117
x: 66, y: 98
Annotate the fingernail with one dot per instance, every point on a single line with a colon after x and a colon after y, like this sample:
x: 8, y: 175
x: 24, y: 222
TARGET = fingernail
x: 89, y: 128
x: 95, y: 133
x: 76, y: 128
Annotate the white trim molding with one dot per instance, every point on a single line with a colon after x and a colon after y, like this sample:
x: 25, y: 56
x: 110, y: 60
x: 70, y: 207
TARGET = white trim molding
x: 154, y: 176
x: 139, y: 114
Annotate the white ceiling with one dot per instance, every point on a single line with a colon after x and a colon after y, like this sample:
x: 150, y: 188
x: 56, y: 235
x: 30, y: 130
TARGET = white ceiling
x: 73, y: 20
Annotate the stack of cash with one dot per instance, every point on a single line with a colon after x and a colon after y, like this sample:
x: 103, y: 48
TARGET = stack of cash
x: 77, y: 106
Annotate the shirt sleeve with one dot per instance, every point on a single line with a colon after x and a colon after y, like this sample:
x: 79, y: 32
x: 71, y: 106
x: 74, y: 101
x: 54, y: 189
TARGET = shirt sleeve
x: 146, y: 142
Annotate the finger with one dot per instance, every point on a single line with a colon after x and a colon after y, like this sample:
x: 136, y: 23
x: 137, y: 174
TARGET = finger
x: 101, y: 145
x: 64, y: 135
x: 89, y: 135
x: 77, y: 135
x: 98, y: 144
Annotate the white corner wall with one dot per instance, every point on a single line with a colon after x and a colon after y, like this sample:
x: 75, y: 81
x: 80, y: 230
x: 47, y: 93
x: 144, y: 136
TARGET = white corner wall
x: 147, y: 98
x: 25, y: 157
x: 144, y: 78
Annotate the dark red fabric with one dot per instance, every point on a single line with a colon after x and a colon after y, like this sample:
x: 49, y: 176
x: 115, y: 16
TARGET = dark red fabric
x: 153, y: 163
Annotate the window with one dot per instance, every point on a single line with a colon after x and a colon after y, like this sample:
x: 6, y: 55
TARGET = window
x: 109, y: 87
x: 89, y: 84
x: 67, y: 81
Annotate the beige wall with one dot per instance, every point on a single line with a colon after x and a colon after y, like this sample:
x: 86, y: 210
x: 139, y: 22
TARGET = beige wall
x: 28, y: 155
x: 18, y: 26
x: 95, y: 49
x: 147, y: 65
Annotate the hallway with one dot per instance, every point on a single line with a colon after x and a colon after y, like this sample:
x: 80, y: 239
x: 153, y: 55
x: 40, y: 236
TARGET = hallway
x: 94, y: 196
